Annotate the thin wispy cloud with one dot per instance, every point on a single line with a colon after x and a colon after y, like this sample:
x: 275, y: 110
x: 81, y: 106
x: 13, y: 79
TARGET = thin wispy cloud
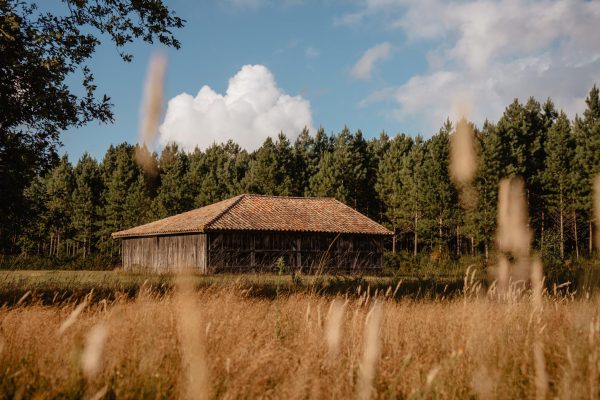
x: 311, y: 52
x: 243, y: 4
x: 490, y: 51
x: 363, y: 68
x: 253, y: 108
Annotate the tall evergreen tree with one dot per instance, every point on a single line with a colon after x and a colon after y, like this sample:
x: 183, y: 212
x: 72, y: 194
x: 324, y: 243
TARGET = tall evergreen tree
x: 119, y: 172
x: 216, y: 174
x: 491, y: 169
x: 267, y: 169
x: 560, y: 149
x: 86, y: 202
x: 586, y: 131
x: 412, y: 178
x: 440, y: 197
x: 376, y: 150
x: 389, y: 183
x: 343, y: 174
x: 59, y: 188
x: 306, y: 160
x: 325, y: 182
x: 172, y: 196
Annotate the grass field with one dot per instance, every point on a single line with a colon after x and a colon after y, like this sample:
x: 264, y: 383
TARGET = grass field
x: 221, y: 343
x: 55, y: 286
x: 106, y: 335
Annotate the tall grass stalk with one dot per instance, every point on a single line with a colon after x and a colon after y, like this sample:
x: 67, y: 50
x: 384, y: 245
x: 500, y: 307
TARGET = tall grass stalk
x: 370, y: 354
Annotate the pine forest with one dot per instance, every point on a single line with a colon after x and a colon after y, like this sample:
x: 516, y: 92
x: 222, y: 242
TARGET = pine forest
x: 401, y: 181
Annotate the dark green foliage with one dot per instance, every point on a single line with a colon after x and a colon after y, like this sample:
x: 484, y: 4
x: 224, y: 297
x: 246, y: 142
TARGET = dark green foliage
x: 440, y: 200
x: 271, y: 170
x: 343, y: 173
x: 586, y: 132
x: 401, y: 182
x: 86, y: 202
x: 389, y: 185
x: 172, y: 197
x: 39, y: 51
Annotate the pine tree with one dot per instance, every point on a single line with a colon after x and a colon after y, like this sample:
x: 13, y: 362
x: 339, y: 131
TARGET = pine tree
x: 522, y: 131
x: 376, y: 150
x: 119, y: 172
x: 412, y: 178
x: 343, y: 173
x: 357, y: 169
x: 440, y: 197
x: 557, y: 179
x: 491, y: 169
x: 306, y: 160
x: 287, y: 178
x: 35, y: 235
x: 586, y: 131
x: 59, y: 188
x: 172, y: 196
x: 263, y: 175
x: 389, y: 183
x: 86, y: 203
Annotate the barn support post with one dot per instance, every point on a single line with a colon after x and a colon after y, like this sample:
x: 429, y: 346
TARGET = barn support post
x: 252, y: 251
x: 298, y: 253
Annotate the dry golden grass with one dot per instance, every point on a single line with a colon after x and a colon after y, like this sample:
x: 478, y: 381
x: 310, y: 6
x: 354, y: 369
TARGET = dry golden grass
x: 254, y: 348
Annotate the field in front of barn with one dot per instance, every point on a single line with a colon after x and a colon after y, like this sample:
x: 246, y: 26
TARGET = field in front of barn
x: 222, y: 342
x: 53, y: 287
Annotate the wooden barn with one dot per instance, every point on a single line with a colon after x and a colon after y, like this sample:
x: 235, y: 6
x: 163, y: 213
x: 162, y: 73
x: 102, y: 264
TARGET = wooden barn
x: 251, y: 232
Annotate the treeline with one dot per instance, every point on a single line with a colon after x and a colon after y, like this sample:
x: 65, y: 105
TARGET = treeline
x: 401, y: 181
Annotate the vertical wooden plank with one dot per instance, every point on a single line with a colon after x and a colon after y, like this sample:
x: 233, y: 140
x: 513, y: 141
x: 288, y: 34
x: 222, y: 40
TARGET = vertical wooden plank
x: 202, y: 256
x: 252, y: 251
x: 298, y: 253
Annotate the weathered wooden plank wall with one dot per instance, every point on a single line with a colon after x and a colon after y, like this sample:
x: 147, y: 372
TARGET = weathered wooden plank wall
x: 259, y: 251
x: 161, y: 254
x: 239, y: 251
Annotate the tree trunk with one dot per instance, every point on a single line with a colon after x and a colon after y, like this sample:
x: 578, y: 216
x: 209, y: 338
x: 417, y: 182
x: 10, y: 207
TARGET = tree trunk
x: 457, y: 240
x: 486, y: 250
x: 575, y: 232
x: 542, y: 232
x: 562, y: 226
x: 591, y: 241
x: 440, y: 229
x: 394, y: 242
x: 416, y: 234
x: 472, y: 246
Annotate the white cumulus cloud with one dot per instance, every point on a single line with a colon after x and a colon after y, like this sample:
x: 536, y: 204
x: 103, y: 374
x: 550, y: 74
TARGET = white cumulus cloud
x: 252, y: 109
x: 491, y: 52
x: 364, y: 66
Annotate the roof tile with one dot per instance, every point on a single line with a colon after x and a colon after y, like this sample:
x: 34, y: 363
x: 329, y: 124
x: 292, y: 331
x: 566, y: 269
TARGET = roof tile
x: 270, y: 213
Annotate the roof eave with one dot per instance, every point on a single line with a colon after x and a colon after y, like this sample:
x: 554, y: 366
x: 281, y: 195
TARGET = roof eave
x: 119, y: 235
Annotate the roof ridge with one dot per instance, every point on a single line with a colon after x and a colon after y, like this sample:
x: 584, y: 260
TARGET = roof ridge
x: 226, y: 210
x: 289, y: 197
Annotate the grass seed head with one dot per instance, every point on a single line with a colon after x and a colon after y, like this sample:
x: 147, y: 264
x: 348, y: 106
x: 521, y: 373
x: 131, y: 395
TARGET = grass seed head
x: 513, y: 235
x: 463, y: 160
x: 368, y: 364
x: 151, y: 111
x: 91, y: 358
x: 72, y: 318
x: 333, y: 326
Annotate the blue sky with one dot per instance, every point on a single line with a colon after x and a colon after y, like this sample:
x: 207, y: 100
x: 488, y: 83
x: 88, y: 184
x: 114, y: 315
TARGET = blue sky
x: 394, y: 65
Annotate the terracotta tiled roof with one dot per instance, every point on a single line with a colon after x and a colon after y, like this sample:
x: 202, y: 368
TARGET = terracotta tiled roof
x: 269, y: 213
